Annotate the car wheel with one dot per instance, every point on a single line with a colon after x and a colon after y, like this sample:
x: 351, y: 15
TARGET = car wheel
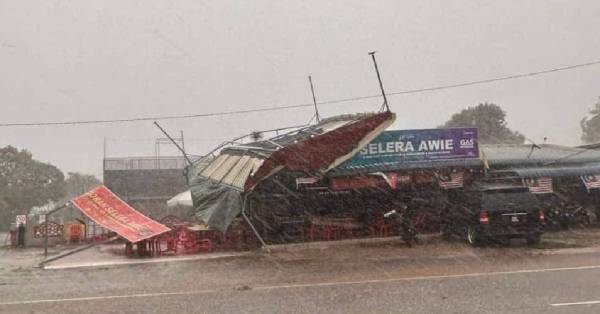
x: 473, y: 237
x: 446, y: 235
x: 534, y: 239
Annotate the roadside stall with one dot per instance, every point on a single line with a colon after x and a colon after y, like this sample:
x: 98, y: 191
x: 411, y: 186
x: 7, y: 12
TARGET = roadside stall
x: 336, y: 179
x: 253, y: 180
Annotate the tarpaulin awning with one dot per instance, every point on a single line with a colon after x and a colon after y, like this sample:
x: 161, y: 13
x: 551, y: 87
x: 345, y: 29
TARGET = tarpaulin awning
x: 106, y: 209
x: 220, y: 204
x: 182, y: 199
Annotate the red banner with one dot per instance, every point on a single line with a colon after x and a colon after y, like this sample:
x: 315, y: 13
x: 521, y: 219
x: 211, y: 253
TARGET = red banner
x: 108, y: 210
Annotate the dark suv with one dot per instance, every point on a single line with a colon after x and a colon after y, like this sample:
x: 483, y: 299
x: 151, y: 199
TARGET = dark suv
x: 495, y: 213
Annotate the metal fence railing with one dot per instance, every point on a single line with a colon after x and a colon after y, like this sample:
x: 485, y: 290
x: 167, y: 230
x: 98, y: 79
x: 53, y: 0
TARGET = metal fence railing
x: 144, y: 163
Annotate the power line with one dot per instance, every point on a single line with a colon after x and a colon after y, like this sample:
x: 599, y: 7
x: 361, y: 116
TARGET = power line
x: 328, y: 102
x: 214, y: 114
x: 497, y: 79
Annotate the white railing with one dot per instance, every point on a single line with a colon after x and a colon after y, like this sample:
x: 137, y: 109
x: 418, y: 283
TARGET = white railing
x: 144, y: 163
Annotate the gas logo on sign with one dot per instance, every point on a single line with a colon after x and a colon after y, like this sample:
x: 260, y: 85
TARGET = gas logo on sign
x: 467, y: 143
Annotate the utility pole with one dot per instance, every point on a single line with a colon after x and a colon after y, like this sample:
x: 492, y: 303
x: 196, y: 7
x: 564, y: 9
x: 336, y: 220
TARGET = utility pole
x: 104, y: 158
x: 104, y: 149
x: 385, y: 102
x: 312, y: 90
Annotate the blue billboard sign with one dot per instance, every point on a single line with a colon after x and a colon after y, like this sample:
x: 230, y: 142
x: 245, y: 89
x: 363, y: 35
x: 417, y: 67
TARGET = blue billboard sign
x: 418, y: 145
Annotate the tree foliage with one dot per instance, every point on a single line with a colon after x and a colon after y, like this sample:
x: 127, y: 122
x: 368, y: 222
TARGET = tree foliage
x: 77, y: 184
x: 26, y: 182
x: 590, y: 125
x: 490, y: 119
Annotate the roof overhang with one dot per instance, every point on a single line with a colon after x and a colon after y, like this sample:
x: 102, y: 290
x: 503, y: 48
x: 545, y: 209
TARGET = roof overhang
x: 570, y: 171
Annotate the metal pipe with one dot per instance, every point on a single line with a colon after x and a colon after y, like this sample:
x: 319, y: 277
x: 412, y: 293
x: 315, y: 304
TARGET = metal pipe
x: 262, y: 242
x: 46, y: 226
x: 385, y: 102
x: 174, y: 143
x: 312, y: 90
x: 182, y: 143
x: 79, y: 249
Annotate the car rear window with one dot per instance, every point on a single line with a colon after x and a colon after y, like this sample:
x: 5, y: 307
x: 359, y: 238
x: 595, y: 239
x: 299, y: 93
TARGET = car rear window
x: 509, y: 200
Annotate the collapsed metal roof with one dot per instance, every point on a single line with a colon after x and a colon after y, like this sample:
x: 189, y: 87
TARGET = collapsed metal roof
x: 312, y: 149
x: 218, y: 188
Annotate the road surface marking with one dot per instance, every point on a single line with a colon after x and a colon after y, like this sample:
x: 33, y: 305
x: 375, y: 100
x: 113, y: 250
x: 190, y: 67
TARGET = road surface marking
x: 108, y: 297
x: 210, y: 256
x: 576, y: 303
x: 306, y: 285
x: 343, y: 283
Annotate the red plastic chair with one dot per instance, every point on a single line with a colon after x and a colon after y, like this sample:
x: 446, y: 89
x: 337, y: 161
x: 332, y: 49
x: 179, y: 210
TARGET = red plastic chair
x: 154, y: 246
x: 128, y: 249
x: 187, y: 240
x: 75, y: 233
x: 380, y: 227
x: 205, y: 245
x: 171, y: 241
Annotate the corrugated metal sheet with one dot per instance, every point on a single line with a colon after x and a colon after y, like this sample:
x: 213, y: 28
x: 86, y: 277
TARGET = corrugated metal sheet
x: 225, y: 168
x: 242, y: 174
x: 536, y: 172
x: 542, y: 154
x: 235, y: 170
x: 329, y: 126
x: 208, y: 171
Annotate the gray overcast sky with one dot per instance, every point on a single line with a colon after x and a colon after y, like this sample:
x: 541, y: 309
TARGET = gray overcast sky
x: 80, y: 60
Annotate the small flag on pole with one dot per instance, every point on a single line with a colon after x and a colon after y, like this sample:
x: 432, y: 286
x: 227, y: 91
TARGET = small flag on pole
x: 390, y: 177
x: 540, y: 185
x: 485, y: 161
x: 591, y: 181
x: 452, y: 180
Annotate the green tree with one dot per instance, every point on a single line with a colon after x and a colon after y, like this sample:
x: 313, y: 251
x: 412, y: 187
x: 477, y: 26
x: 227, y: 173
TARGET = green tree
x: 590, y: 125
x: 77, y: 184
x: 25, y: 182
x: 490, y: 119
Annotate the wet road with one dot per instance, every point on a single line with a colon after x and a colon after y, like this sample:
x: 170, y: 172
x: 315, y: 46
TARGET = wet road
x: 448, y: 279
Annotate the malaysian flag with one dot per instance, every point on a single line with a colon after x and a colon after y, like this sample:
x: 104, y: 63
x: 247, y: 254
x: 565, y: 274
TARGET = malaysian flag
x: 451, y: 180
x: 539, y: 185
x: 391, y: 178
x: 591, y: 181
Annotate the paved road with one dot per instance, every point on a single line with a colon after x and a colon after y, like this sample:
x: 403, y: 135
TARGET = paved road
x: 453, y: 279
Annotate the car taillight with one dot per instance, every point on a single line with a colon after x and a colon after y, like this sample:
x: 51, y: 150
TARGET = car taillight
x: 484, y: 218
x: 542, y: 216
